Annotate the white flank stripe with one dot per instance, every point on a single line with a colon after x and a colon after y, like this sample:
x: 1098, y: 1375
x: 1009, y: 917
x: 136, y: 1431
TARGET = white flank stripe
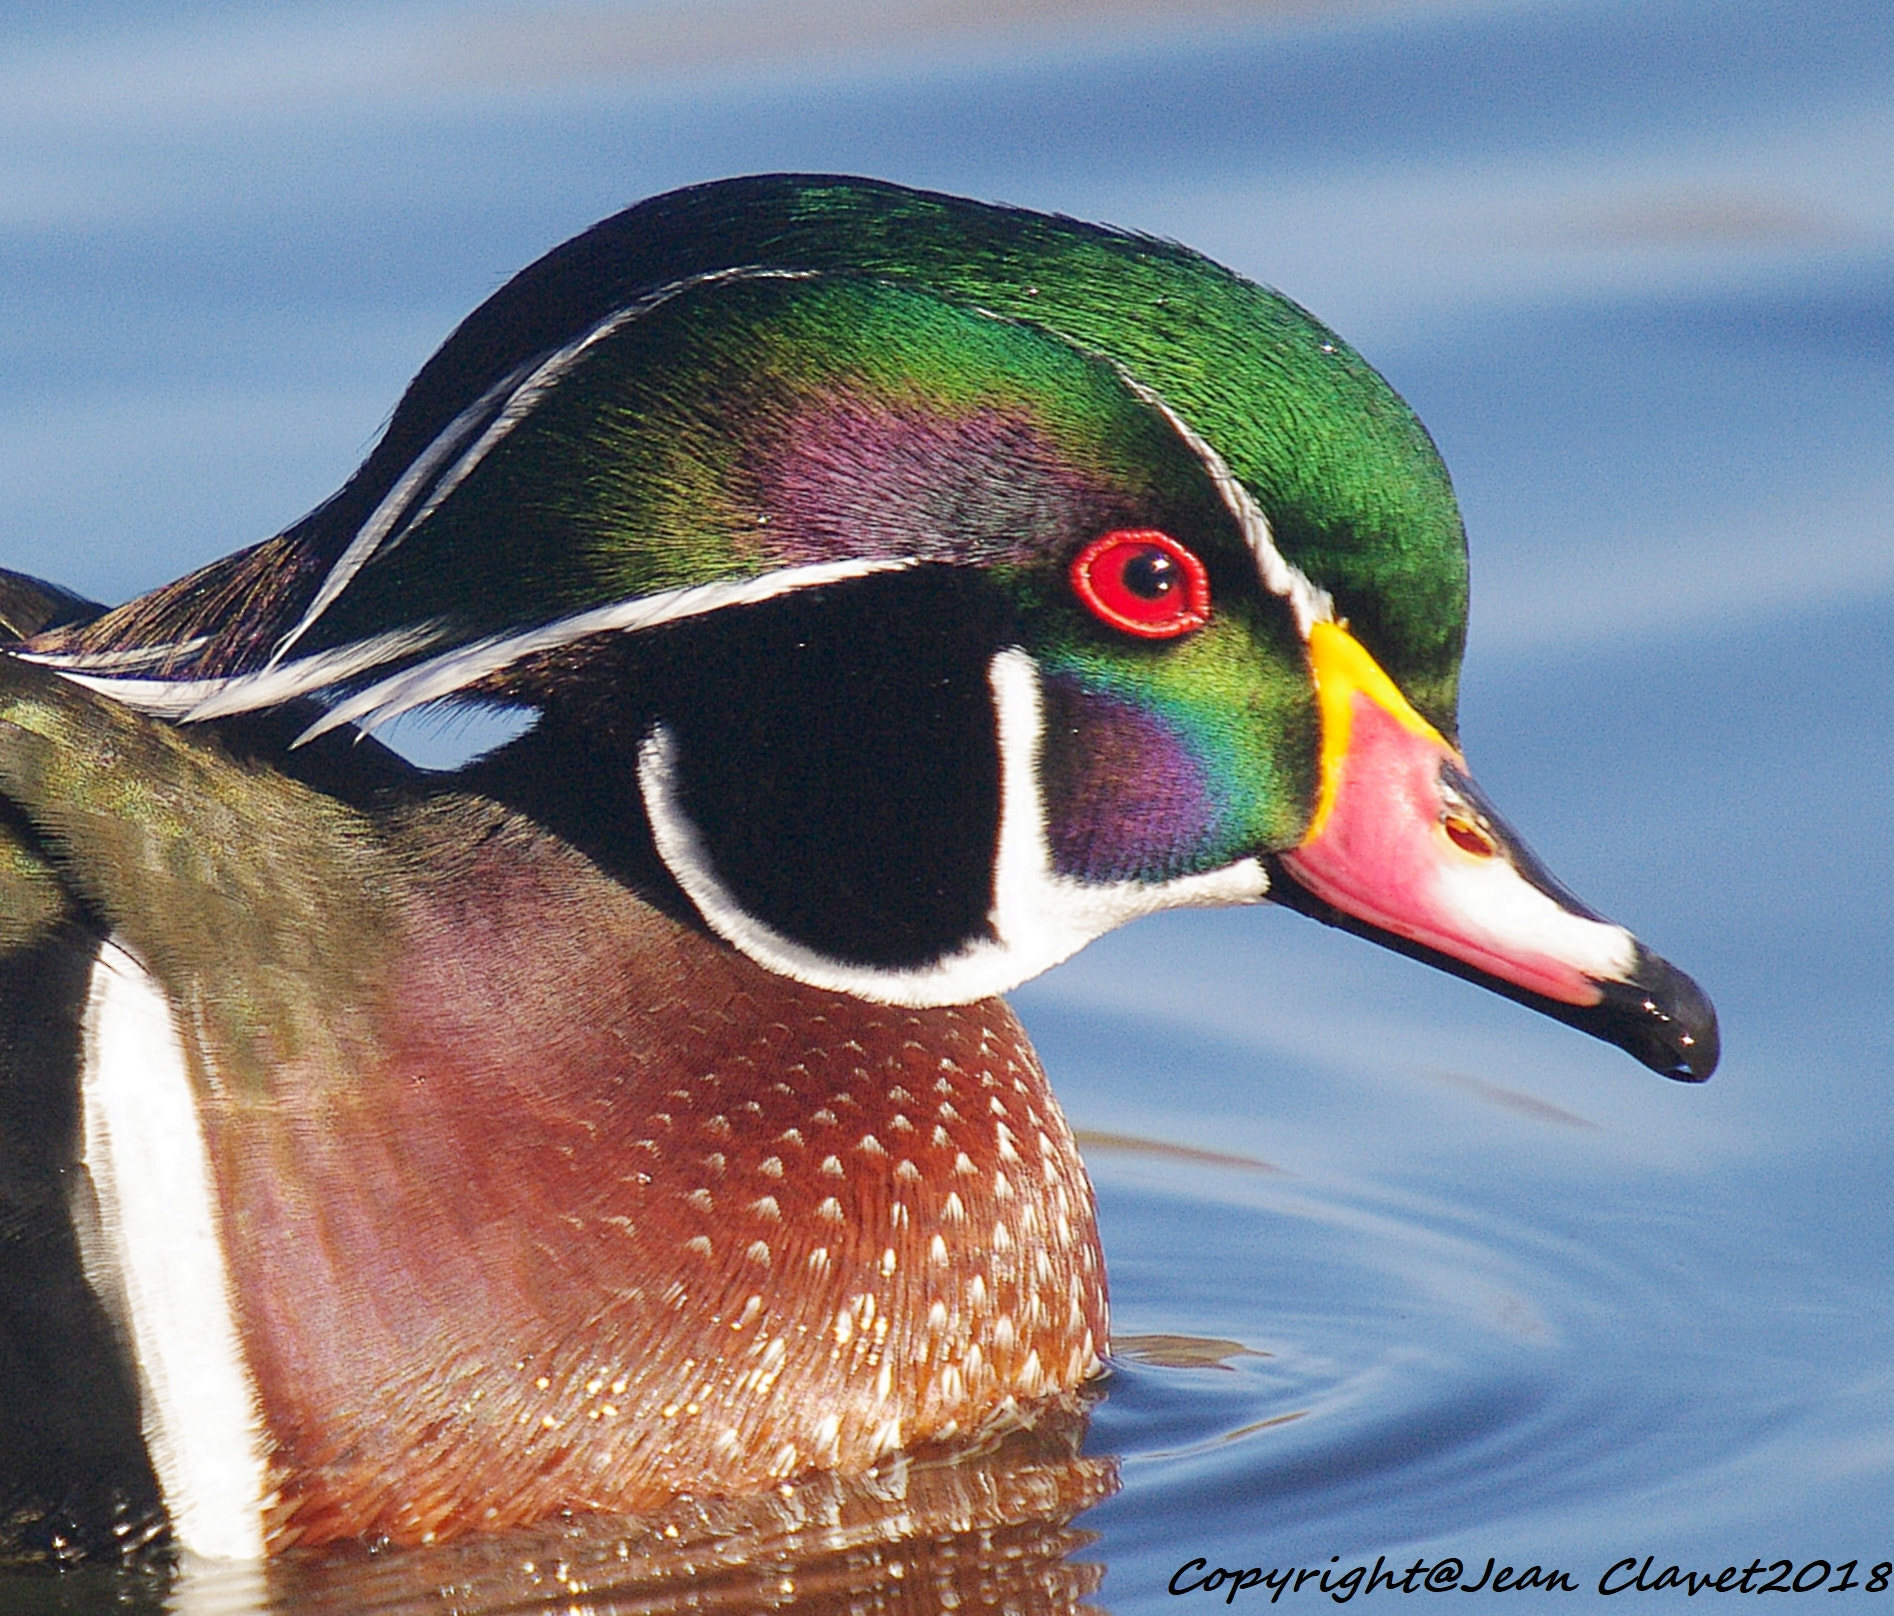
x: 153, y: 1255
x: 1038, y: 917
x: 454, y: 670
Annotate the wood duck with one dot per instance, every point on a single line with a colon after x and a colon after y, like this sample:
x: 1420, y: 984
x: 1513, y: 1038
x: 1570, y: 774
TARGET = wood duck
x: 908, y: 591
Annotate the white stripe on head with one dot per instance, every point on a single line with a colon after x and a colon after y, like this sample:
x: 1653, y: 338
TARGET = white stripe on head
x: 1038, y: 917
x: 452, y: 671
x: 138, y: 656
x: 499, y: 409
x: 153, y: 1253
x: 193, y: 700
x: 1309, y: 602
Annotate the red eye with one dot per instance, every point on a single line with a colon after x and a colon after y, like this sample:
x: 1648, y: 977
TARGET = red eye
x: 1143, y: 582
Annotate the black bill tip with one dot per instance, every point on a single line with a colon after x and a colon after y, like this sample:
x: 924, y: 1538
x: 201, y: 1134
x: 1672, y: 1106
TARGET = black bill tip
x: 1661, y: 1017
x: 1658, y: 1016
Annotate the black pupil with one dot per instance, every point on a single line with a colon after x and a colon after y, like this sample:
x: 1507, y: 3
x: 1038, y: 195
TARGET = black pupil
x: 1150, y: 574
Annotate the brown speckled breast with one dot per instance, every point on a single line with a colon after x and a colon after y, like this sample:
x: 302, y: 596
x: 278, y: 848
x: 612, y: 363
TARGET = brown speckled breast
x: 605, y: 1213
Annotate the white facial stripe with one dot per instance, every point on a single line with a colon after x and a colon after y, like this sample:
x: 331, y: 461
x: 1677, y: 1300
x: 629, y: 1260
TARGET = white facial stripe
x: 454, y: 670
x: 1309, y: 603
x: 137, y: 657
x: 153, y: 1253
x: 193, y: 700
x: 1500, y: 907
x: 1038, y: 917
x: 394, y: 505
x: 501, y: 408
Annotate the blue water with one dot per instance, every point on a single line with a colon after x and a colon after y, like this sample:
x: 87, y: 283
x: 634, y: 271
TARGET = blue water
x: 1405, y: 1272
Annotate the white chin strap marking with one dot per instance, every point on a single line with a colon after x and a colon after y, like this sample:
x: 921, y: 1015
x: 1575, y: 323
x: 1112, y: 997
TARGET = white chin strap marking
x: 1038, y: 917
x: 152, y: 1251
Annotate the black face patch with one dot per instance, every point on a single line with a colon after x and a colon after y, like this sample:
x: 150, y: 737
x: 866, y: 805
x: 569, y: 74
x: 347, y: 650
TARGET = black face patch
x: 839, y: 758
x: 836, y: 752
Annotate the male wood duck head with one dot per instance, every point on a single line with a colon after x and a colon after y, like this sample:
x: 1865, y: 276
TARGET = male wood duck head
x: 908, y: 592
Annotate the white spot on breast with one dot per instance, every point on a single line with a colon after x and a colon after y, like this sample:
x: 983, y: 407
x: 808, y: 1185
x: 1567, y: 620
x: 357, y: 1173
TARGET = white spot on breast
x: 888, y: 1261
x: 700, y: 1198
x: 770, y: 1167
x: 905, y: 1169
x: 819, y: 1259
x: 699, y: 1244
x: 871, y: 1146
x: 829, y: 1210
x: 758, y: 1252
x: 963, y: 1164
x: 937, y: 1251
x: 950, y: 1209
x: 832, y: 1166
x: 1002, y: 1241
x: 765, y: 1207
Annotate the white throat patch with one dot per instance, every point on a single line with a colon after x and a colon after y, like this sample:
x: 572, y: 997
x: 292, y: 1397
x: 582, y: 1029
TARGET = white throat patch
x: 1038, y: 917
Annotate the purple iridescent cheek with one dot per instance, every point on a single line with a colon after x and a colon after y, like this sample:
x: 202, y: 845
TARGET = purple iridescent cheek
x: 1125, y: 799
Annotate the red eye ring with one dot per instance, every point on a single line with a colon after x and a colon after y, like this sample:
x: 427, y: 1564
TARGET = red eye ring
x: 1142, y: 582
